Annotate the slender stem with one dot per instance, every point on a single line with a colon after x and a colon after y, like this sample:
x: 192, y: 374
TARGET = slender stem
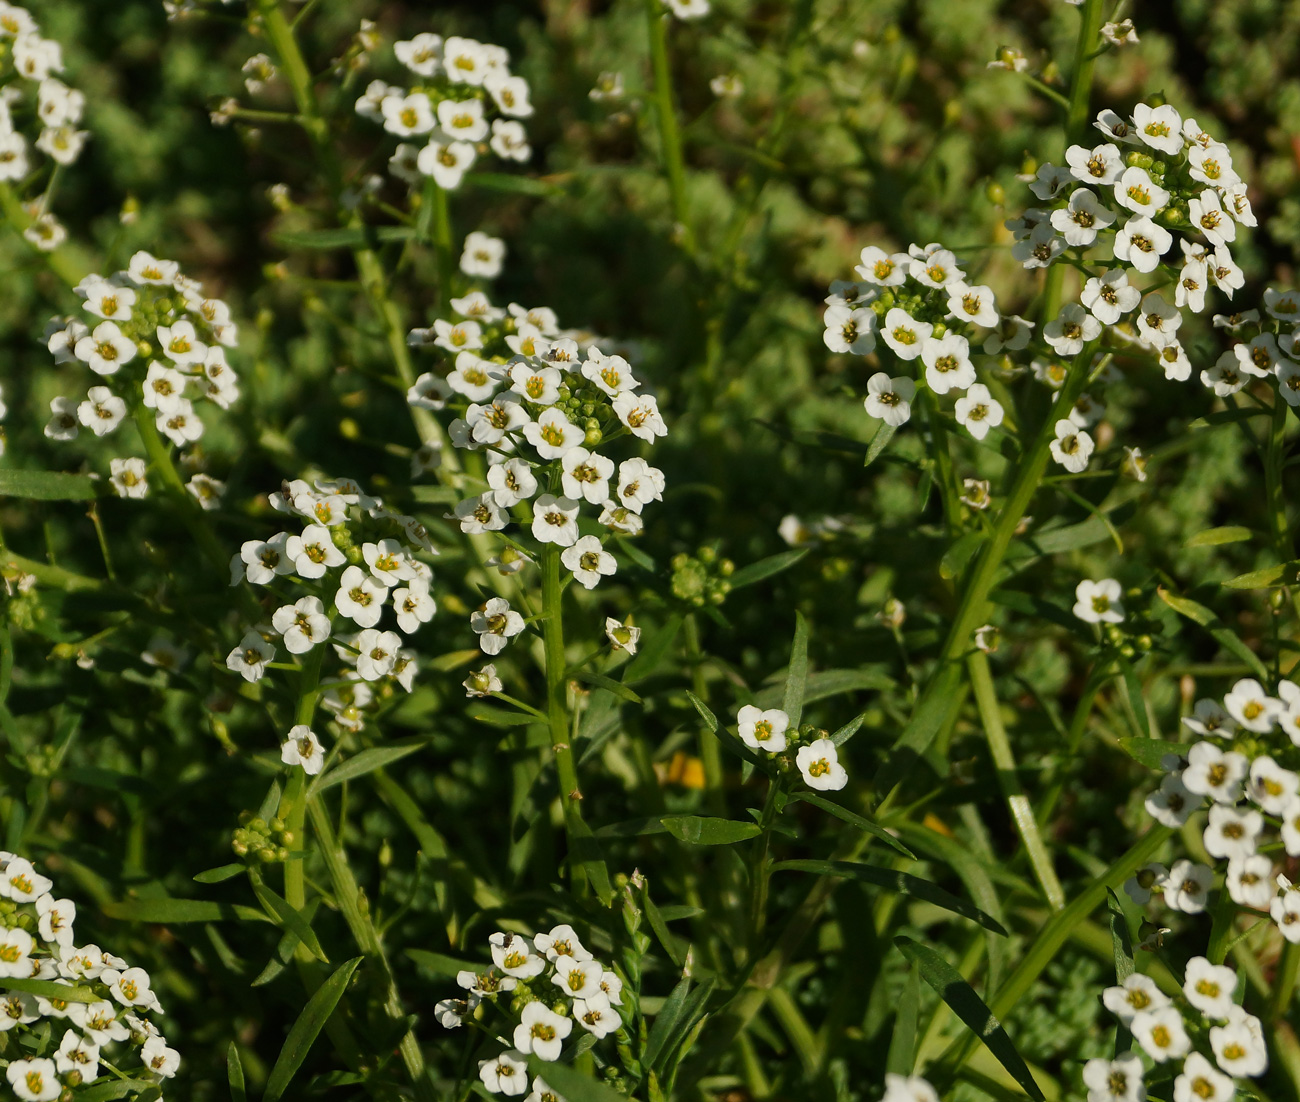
x: 64, y: 262
x: 557, y: 712
x: 434, y: 226
x: 1078, y: 725
x: 710, y: 746
x: 758, y: 870
x: 1274, y: 457
x: 1022, y: 813
x: 670, y: 138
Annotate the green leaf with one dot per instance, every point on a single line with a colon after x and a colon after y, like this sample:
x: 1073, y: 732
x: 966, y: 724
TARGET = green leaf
x: 107, y: 1091
x: 220, y: 873
x: 601, y: 681
x: 46, y: 486
x: 902, y: 1044
x: 1122, y: 947
x: 652, y: 651
x: 343, y: 237
x: 900, y: 882
x: 166, y: 912
x: 765, y: 568
x: 586, y: 849
x: 678, y: 1030
x: 307, y: 1028
x: 360, y: 764
x: 571, y: 1083
x: 797, y: 677
x: 1212, y: 537
x: 1228, y: 639
x: 971, y: 1009
x: 840, y: 737
x: 1149, y: 751
x: 832, y: 808
x: 518, y: 185
x: 932, y: 713
x: 1265, y: 578
x: 700, y: 830
x: 666, y: 1020
x: 235, y: 1074
x: 671, y: 944
x: 290, y: 918
x: 499, y: 717
x: 828, y: 683
x: 879, y: 442
x: 710, y: 720
x: 1133, y: 686
x: 632, y: 828
x: 443, y: 965
x: 959, y: 554
x: 51, y: 990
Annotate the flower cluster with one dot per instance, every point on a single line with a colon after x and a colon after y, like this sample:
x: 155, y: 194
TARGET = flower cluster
x: 158, y: 343
x: 1253, y: 794
x: 1214, y: 1037
x: 461, y: 83
x: 63, y: 1041
x: 553, y: 983
x: 816, y: 758
x: 539, y: 406
x: 355, y: 559
x: 29, y: 90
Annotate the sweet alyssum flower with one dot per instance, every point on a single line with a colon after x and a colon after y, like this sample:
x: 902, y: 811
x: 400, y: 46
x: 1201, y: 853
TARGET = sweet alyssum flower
x: 761, y: 729
x: 496, y: 624
x: 890, y: 400
x: 302, y: 747
x: 819, y: 763
x: 978, y: 411
x: 1072, y: 446
x: 1099, y: 602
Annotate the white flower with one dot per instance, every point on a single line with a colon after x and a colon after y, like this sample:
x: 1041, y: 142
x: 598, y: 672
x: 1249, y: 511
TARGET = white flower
x: 1223, y: 377
x: 249, y: 659
x: 934, y: 267
x: 105, y: 299
x: 1225, y: 273
x: 638, y: 484
x: 849, y: 330
x: 505, y: 1074
x: 1238, y: 1049
x: 1049, y: 181
x: 34, y: 1080
x: 543, y: 1092
x: 1270, y: 786
x: 553, y: 434
x: 15, y: 949
x: 1135, y: 994
x: 688, y: 9
x: 819, y: 763
x: 890, y: 400
x: 1206, y: 213
x: 622, y: 636
x: 596, y: 1015
x: 1158, y: 322
x: 555, y: 520
x: 1072, y: 446
x: 360, y: 597
x: 1185, y: 889
x: 1099, y: 602
x: 13, y: 156
x: 620, y: 518
x: 127, y: 477
x: 1136, y: 190
x: 511, y: 483
x: 1071, y: 329
x: 1290, y: 816
x: 388, y: 561
x: 265, y: 559
x: 376, y: 652
x: 178, y: 423
x: 421, y: 54
x: 1118, y: 1080
x: 973, y: 304
x: 1214, y: 773
x: 413, y: 605
x: 1212, y: 164
x: 104, y: 350
x: 1100, y: 165
x: 541, y: 1031
x: 1159, y: 127
x: 1285, y: 911
x: 482, y: 255
x: 1251, y: 707
x: 1193, y: 281
x: 313, y: 552
x: 1142, y: 243
x: 1011, y: 335
x: 908, y: 1088
x: 463, y: 119
x: 130, y: 986
x: 1209, y: 987
x: 881, y: 268
x: 159, y: 1059
x: 408, y: 115
x: 180, y: 343
x: 1235, y: 199
x: 302, y: 624
x: 1172, y: 805
x: 446, y: 162
x: 1147, y: 879
x: 44, y: 232
x: 1079, y: 222
x: 589, y: 561
x: 947, y: 363
x: 510, y: 93
x: 640, y: 413
x: 612, y: 374
x: 97, y: 1020
x: 763, y: 729
x: 1261, y: 357
x: 496, y: 624
x: 1161, y: 1034
x: 465, y: 61
x: 303, y: 747
x: 579, y: 979
x: 904, y: 334
x: 513, y: 955
x: 1250, y: 880
x: 77, y: 1053
x: 1201, y: 1082
x: 585, y: 475
x: 484, y: 683
x: 540, y: 385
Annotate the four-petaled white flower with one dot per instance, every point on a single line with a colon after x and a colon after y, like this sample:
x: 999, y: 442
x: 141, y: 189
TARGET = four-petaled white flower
x: 303, y: 747
x: 1099, y: 602
x: 820, y: 765
x: 763, y: 729
x: 495, y: 625
x: 890, y: 400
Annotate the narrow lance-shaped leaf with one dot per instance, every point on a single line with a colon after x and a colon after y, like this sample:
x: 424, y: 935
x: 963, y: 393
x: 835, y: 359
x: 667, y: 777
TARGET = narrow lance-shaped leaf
x: 306, y: 1029
x: 902, y: 1045
x: 971, y: 1009
x: 797, y: 678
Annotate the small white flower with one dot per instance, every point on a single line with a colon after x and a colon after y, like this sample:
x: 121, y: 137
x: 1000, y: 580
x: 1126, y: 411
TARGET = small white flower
x: 1250, y: 880
x: 1110, y: 296
x: 302, y: 624
x: 1080, y: 221
x: 406, y: 116
x: 127, y: 477
x: 446, y: 162
x: 1214, y: 773
x: 505, y: 1074
x: 640, y: 413
x: 1186, y: 888
x: 105, y: 349
x: 1159, y: 127
x: 881, y: 268
x: 1161, y: 1034
x: 1238, y: 1049
x: 596, y: 1015
x: 360, y: 597
x: 511, y: 95
x: 973, y: 304
x: 622, y: 636
x: 34, y: 1080
x: 908, y: 1088
x: 514, y: 956
x: 904, y: 335
x: 313, y: 552
x: 947, y: 363
x: 302, y: 747
x: 179, y: 423
x: 1158, y: 321
x: 555, y: 520
x: 1136, y: 190
x: 1071, y: 329
x: 1100, y: 165
x: 421, y: 54
x: 482, y: 255
x: 589, y: 561
x: 553, y: 434
x: 496, y: 624
x: 541, y: 1031
x: 1251, y: 707
x: 1142, y: 243
x: 890, y: 400
x: 1206, y: 213
x: 249, y: 659
x: 463, y: 119
x: 1285, y: 911
x: 413, y: 605
x: 688, y: 9
x: 819, y: 763
x: 376, y: 653
x: 849, y: 330
x: 484, y: 683
x: 465, y: 61
x: 1209, y: 718
x: 1209, y: 987
x: 159, y: 1059
x: 1270, y: 786
x: 1173, y: 803
x: 638, y: 484
x: 978, y: 411
x: 1049, y: 181
x: 763, y: 729
x: 180, y: 343
x: 1011, y: 335
x: 1099, y: 602
x: 1118, y: 1080
x: 1072, y: 446
x: 1201, y: 1082
x: 15, y: 948
x: 1148, y: 879
x: 586, y: 475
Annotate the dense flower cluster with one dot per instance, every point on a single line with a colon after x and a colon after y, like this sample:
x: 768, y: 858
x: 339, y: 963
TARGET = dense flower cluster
x: 553, y: 983
x: 1254, y: 803
x: 158, y: 343
x: 768, y: 729
x: 63, y: 1042
x: 461, y: 83
x: 32, y: 96
x: 539, y: 406
x: 355, y: 559
x: 1215, y: 1039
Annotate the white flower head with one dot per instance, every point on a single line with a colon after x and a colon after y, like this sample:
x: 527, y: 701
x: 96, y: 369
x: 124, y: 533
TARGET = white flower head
x: 820, y: 765
x: 890, y: 400
x: 1099, y: 602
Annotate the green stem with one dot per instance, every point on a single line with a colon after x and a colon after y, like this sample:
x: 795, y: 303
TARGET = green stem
x: 64, y: 262
x: 556, y: 709
x: 1022, y: 813
x: 759, y: 874
x: 948, y: 491
x: 710, y: 746
x: 1273, y: 461
x: 1078, y: 725
x: 434, y: 226
x: 1284, y: 981
x: 670, y: 138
